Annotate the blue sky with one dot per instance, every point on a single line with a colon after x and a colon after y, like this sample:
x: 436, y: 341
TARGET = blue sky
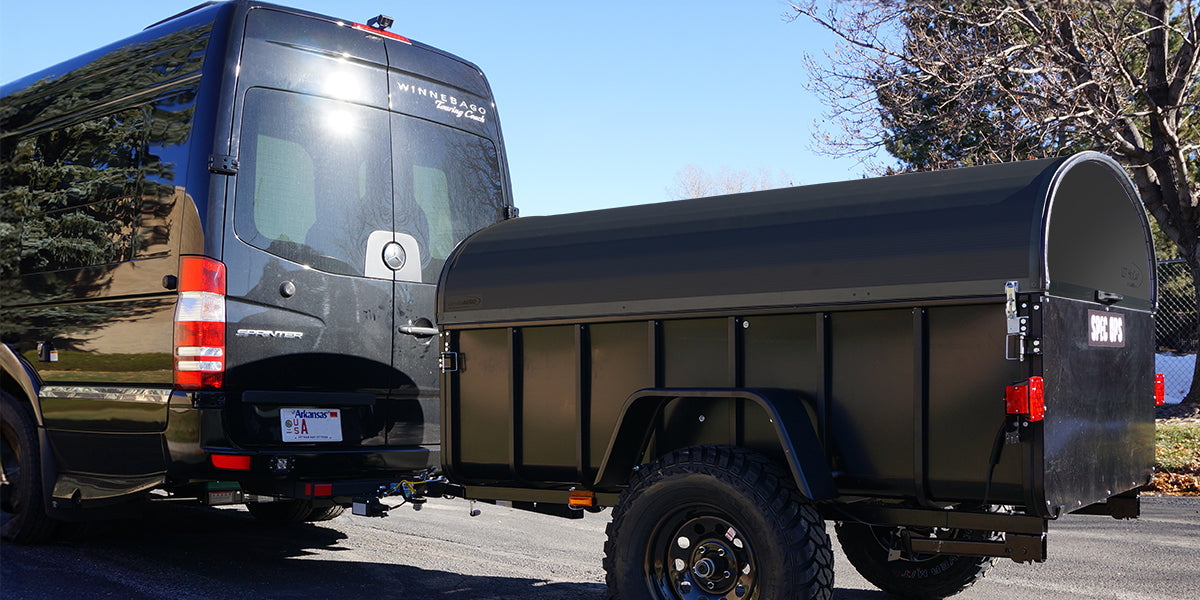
x: 602, y: 103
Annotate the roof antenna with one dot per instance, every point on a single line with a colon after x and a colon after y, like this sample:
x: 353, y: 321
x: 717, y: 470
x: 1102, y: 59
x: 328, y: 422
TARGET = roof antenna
x: 381, y: 22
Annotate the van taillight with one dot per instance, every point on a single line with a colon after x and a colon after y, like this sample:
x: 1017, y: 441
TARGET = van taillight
x: 1160, y: 389
x: 200, y: 324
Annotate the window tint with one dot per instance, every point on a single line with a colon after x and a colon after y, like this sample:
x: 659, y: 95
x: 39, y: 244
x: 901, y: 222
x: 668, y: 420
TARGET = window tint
x: 314, y: 181
x: 164, y: 169
x: 74, y: 191
x: 447, y: 187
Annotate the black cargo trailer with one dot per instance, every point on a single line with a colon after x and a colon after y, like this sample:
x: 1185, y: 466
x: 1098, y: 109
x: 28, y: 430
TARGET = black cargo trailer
x: 940, y: 362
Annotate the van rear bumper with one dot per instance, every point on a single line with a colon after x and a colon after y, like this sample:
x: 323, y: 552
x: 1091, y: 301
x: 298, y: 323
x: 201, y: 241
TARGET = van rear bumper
x: 292, y: 473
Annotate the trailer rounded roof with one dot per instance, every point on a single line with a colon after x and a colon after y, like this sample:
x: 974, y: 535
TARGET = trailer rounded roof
x: 1066, y: 226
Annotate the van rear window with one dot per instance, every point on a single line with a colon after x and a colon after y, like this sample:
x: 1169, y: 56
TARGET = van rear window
x: 319, y: 176
x: 314, y: 181
x: 447, y: 186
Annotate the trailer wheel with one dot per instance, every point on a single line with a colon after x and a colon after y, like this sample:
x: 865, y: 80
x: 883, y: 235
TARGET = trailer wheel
x: 24, y: 515
x: 925, y: 577
x: 716, y: 522
x: 281, y: 512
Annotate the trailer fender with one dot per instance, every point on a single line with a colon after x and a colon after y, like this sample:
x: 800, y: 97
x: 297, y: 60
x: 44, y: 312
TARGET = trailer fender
x: 798, y: 441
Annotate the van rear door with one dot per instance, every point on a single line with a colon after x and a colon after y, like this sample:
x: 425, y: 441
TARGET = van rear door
x: 309, y: 297
x: 447, y: 182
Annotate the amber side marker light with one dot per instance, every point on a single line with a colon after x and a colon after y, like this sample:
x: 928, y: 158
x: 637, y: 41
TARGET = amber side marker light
x: 581, y: 499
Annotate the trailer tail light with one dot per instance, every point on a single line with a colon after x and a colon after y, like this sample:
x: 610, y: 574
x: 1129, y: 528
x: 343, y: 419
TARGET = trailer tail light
x: 1160, y: 389
x: 1028, y: 400
x: 230, y: 462
x: 200, y: 324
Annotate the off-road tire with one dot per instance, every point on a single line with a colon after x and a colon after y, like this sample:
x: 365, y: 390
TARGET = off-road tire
x: 281, y: 512
x: 710, y: 501
x: 24, y: 513
x: 925, y: 578
x: 325, y: 513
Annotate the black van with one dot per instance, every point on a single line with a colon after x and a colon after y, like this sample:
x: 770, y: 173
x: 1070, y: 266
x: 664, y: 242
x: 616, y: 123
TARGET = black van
x: 219, y: 241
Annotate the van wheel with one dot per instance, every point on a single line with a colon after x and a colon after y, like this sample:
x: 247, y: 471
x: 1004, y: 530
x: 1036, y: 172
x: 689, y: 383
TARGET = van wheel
x: 716, y: 521
x: 325, y: 513
x: 921, y: 576
x: 281, y: 512
x: 24, y: 515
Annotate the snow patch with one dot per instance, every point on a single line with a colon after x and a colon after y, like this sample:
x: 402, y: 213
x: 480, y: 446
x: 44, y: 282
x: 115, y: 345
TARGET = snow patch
x: 1177, y: 369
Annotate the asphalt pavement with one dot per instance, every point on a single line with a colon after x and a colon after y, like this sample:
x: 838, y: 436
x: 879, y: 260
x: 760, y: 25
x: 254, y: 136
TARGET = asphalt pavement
x: 184, y: 553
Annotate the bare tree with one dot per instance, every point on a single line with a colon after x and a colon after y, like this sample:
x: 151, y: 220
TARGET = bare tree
x: 694, y: 182
x: 941, y: 84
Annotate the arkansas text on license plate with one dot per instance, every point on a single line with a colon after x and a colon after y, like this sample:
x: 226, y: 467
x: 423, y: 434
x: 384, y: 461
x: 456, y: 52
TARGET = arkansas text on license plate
x: 311, y: 424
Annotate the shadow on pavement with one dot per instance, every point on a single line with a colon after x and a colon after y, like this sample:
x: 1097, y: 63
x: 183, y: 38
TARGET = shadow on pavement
x: 182, y: 552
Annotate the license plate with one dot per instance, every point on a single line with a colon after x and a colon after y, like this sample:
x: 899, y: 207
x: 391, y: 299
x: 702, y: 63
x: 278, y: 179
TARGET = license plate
x: 311, y: 424
x: 1105, y: 329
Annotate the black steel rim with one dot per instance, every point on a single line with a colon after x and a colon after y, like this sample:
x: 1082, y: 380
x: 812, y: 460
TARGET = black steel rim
x: 696, y: 553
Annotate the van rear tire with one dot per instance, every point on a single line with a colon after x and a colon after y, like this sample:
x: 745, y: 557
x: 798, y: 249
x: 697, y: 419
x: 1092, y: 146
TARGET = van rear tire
x: 325, y: 513
x: 24, y: 513
x: 281, y: 512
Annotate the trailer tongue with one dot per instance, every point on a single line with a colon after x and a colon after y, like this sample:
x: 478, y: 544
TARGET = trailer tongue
x: 941, y: 362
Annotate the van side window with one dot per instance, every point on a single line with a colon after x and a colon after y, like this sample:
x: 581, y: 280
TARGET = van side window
x: 313, y: 185
x: 164, y: 170
x: 75, y: 191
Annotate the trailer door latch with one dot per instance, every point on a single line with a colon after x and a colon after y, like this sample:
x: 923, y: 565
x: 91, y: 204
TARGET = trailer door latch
x: 1017, y: 326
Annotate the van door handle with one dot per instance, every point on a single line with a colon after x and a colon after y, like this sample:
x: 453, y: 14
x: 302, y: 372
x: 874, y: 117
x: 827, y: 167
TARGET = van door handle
x: 417, y: 331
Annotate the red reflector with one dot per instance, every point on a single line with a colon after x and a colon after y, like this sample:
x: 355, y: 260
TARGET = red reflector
x: 1027, y: 400
x: 1160, y: 389
x: 386, y: 34
x: 581, y: 499
x: 1016, y: 398
x: 235, y: 463
x: 323, y: 490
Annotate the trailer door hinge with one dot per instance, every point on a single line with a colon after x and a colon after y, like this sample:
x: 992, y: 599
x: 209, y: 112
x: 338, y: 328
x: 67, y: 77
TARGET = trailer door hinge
x: 222, y: 164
